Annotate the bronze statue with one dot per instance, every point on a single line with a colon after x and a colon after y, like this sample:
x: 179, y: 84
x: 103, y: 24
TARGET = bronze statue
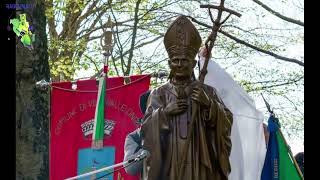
x: 170, y: 110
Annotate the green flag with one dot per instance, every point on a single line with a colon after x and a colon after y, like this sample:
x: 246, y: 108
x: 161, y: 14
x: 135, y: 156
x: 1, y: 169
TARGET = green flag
x: 98, y: 128
x: 287, y: 168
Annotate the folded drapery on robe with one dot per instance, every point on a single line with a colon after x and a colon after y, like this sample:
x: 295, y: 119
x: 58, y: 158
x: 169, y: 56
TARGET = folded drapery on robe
x: 209, y: 150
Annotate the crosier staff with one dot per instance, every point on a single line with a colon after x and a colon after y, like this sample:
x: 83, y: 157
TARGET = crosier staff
x: 209, y: 43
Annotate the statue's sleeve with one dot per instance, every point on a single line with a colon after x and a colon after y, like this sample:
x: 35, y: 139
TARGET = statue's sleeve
x: 154, y: 126
x: 221, y: 119
x: 154, y: 115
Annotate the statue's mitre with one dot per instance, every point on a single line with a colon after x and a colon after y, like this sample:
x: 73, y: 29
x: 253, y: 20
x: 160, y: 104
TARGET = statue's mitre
x: 182, y: 39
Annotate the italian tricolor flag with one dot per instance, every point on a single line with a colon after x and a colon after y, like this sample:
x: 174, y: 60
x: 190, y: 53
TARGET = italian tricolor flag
x: 98, y: 128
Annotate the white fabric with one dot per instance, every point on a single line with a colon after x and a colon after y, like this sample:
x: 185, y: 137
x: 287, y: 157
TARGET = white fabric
x: 247, y: 135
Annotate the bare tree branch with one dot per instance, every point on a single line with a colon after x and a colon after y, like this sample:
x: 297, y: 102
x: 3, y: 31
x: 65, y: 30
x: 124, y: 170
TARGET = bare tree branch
x: 70, y: 23
x: 127, y: 41
x: 127, y: 52
x: 274, y: 81
x: 250, y: 45
x: 89, y: 11
x: 118, y: 42
x: 153, y: 64
x: 262, y: 50
x: 114, y: 64
x: 93, y: 62
x: 259, y: 28
x: 158, y: 8
x: 277, y: 85
x: 102, y: 35
x: 91, y: 29
x: 101, y: 27
x: 294, y: 105
x: 102, y: 9
x: 278, y: 14
x: 134, y: 33
x: 155, y: 49
x: 144, y: 43
x: 222, y: 8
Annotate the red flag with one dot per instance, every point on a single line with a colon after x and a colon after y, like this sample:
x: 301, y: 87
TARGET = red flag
x: 71, y: 126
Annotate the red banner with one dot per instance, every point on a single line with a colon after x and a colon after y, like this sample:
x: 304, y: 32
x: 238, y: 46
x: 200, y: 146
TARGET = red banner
x: 71, y: 126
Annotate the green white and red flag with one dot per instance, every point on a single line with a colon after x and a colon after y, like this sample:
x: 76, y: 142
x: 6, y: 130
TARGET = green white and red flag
x: 98, y: 128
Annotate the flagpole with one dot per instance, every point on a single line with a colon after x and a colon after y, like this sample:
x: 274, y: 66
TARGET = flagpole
x: 144, y: 154
x: 98, y: 170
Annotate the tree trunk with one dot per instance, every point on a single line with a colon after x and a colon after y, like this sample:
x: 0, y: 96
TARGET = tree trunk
x: 32, y: 132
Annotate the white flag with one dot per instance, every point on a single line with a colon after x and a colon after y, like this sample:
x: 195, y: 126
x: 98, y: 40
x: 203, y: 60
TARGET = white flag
x: 247, y: 135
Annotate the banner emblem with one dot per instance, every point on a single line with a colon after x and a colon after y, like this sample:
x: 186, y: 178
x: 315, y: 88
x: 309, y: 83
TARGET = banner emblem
x: 87, y: 127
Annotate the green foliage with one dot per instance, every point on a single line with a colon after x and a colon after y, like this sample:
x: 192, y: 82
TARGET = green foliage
x: 68, y: 62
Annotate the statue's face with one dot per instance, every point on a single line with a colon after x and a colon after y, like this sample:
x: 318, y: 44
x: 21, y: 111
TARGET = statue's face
x: 182, y: 67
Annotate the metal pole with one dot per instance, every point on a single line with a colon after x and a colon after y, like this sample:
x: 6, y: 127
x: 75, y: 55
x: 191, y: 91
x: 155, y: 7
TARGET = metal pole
x: 99, y: 170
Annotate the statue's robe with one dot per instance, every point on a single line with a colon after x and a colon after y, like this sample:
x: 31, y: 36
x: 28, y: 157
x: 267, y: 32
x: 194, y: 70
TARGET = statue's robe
x: 165, y: 137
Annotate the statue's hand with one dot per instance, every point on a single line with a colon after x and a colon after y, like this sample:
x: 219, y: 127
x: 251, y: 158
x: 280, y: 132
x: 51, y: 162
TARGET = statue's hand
x: 176, y: 107
x: 200, y: 96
